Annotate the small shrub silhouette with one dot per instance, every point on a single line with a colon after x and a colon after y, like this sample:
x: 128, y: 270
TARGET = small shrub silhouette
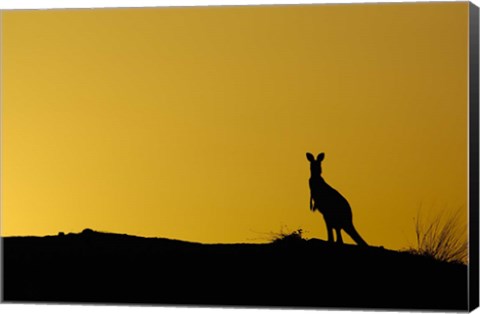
x: 443, y: 238
x: 285, y: 237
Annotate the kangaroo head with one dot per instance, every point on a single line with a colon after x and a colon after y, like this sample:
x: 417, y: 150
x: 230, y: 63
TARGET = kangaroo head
x: 315, y: 164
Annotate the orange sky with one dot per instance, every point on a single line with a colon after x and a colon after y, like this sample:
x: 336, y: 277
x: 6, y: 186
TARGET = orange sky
x: 193, y: 123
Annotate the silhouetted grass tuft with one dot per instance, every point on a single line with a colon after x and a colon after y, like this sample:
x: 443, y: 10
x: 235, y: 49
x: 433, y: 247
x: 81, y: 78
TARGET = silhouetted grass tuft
x: 443, y: 238
x: 283, y: 236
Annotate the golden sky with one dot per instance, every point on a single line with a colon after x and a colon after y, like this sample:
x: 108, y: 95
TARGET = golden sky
x: 193, y: 123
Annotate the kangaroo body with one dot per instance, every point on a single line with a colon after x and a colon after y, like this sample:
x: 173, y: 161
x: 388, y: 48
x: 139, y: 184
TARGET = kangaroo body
x: 328, y: 201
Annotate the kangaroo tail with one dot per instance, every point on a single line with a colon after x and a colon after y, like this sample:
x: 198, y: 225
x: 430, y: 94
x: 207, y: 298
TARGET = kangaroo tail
x: 352, y: 232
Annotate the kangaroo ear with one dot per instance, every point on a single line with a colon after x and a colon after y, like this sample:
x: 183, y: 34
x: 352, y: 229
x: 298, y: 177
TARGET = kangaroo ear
x: 321, y: 156
x: 310, y: 157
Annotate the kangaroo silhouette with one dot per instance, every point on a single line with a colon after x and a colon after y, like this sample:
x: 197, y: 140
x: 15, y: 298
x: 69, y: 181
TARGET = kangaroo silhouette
x: 328, y: 201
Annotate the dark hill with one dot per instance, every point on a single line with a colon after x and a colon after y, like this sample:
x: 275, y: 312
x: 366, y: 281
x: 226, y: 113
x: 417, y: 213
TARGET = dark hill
x: 106, y: 268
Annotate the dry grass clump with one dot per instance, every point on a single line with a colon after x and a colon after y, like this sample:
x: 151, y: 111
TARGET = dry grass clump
x: 443, y: 237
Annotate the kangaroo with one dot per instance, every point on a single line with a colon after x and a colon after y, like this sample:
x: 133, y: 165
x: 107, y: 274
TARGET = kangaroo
x: 328, y: 201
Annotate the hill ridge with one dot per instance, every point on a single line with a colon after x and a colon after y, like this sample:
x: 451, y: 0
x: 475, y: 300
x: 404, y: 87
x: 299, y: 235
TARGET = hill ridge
x: 101, y: 267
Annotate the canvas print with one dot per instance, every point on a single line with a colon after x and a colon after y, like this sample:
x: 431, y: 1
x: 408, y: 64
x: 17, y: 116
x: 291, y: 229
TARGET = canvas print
x: 283, y: 156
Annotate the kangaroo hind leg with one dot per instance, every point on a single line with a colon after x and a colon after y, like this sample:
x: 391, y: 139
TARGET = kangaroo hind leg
x: 339, y: 236
x: 352, y: 232
x: 329, y: 232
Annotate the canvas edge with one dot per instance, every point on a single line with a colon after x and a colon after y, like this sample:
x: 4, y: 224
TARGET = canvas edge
x: 473, y: 280
x: 2, y: 299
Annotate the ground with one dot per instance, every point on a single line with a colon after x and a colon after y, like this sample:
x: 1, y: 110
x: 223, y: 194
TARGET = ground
x: 103, y: 268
